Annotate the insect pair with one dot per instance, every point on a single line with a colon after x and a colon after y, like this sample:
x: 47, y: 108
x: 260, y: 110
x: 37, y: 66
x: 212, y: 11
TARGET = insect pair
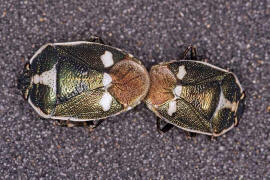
x: 88, y: 80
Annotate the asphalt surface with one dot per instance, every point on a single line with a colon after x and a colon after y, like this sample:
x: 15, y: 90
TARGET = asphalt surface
x: 232, y: 35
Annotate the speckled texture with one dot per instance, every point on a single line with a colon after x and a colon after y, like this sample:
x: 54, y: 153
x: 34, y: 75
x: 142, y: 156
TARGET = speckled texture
x: 233, y: 35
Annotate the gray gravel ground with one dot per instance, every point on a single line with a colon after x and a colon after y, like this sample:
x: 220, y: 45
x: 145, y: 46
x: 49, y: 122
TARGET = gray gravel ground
x: 233, y: 35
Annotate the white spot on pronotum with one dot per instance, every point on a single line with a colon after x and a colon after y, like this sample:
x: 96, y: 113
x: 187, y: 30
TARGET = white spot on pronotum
x: 181, y: 72
x: 107, y: 79
x: 172, y: 107
x: 177, y: 90
x: 46, y: 78
x: 106, y: 101
x: 107, y: 59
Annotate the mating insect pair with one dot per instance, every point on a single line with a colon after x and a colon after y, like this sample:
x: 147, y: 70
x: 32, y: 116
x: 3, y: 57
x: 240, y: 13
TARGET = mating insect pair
x: 85, y: 81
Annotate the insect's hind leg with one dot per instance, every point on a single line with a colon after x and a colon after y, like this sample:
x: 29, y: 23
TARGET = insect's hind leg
x: 96, y: 39
x: 66, y: 123
x: 91, y: 125
x: 193, y: 53
x: 165, y: 128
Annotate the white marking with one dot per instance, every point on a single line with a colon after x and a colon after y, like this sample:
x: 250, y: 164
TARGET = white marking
x: 36, y: 79
x: 181, y: 72
x: 107, y: 59
x: 225, y: 103
x: 107, y: 79
x: 39, y: 51
x: 130, y: 55
x: 47, y: 78
x: 177, y: 90
x: 172, y: 107
x: 106, y: 101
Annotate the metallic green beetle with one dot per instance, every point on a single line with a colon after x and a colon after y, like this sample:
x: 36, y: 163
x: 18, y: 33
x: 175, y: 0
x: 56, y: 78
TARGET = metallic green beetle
x: 195, y: 96
x: 83, y: 81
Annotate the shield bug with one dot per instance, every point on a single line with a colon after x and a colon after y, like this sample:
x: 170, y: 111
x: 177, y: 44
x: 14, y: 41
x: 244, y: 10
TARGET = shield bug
x: 83, y: 81
x: 195, y: 96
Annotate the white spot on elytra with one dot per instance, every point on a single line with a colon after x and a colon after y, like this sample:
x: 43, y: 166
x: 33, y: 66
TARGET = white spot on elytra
x: 107, y: 59
x: 181, y: 72
x: 107, y: 79
x: 172, y: 107
x: 106, y: 101
x: 46, y: 78
x: 177, y: 90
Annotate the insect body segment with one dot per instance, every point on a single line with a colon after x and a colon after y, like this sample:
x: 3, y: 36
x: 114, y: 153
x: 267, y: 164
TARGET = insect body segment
x: 82, y: 81
x: 195, y: 96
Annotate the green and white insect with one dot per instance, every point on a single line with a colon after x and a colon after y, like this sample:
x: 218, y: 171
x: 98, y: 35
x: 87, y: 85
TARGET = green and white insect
x: 195, y: 96
x: 83, y: 81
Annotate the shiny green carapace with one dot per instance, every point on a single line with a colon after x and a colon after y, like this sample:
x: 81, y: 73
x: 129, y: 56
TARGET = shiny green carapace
x: 195, y: 96
x: 81, y: 81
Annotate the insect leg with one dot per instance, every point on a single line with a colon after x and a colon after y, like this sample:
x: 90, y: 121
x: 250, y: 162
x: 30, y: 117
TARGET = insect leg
x: 98, y: 123
x: 91, y: 125
x: 96, y: 39
x: 190, y: 134
x: 193, y: 52
x: 165, y: 128
x: 65, y: 123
